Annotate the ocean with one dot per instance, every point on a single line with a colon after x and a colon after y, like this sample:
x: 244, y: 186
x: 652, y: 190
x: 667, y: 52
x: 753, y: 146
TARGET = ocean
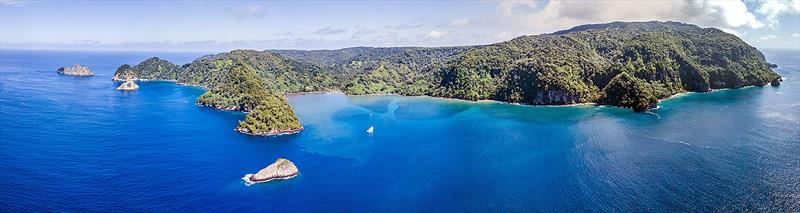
x: 76, y: 144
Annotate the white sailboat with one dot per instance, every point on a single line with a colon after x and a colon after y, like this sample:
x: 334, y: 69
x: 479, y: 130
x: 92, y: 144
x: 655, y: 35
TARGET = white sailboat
x: 370, y: 130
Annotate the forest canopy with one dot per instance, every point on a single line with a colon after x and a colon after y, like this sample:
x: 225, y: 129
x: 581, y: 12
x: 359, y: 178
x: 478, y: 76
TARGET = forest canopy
x: 626, y: 64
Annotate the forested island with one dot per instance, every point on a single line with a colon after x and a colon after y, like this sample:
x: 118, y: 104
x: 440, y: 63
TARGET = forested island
x: 626, y: 64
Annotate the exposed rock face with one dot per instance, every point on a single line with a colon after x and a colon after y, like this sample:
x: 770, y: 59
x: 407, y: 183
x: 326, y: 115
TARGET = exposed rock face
x: 776, y: 82
x: 128, y: 86
x: 555, y: 97
x: 76, y: 70
x: 281, y: 169
x: 274, y: 132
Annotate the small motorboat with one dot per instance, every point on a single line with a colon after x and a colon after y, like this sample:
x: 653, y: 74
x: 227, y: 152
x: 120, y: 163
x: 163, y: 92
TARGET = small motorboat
x: 370, y: 130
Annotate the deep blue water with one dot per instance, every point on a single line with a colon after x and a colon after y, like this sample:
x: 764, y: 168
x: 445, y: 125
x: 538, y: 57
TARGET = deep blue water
x: 75, y: 144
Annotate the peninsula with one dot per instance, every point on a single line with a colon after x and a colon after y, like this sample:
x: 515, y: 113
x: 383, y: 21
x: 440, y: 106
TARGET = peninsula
x: 626, y: 64
x: 76, y: 70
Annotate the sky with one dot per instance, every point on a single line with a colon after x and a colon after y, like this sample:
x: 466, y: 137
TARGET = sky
x: 226, y: 25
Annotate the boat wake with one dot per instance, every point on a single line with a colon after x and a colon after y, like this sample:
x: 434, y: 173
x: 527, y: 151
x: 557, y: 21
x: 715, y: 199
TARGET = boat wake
x: 653, y: 113
x: 678, y: 142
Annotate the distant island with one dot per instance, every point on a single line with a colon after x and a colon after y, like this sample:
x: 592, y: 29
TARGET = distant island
x: 626, y: 64
x: 76, y: 70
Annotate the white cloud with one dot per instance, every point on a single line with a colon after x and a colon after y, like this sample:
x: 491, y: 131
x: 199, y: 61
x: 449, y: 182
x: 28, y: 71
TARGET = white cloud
x: 329, y: 31
x: 796, y: 5
x: 460, y: 23
x: 437, y: 34
x: 506, y: 8
x: 734, y: 32
x: 772, y: 9
x: 407, y: 26
x: 731, y: 13
x: 13, y: 2
x: 558, y: 14
x: 250, y: 11
x: 768, y: 37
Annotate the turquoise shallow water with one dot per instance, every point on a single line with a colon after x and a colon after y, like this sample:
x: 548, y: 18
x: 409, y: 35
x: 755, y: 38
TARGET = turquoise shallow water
x: 70, y: 143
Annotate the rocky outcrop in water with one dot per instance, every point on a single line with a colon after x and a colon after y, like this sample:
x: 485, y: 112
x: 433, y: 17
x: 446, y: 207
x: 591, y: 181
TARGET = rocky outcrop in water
x: 76, y: 70
x: 273, y: 132
x: 128, y: 86
x: 776, y: 82
x: 281, y: 169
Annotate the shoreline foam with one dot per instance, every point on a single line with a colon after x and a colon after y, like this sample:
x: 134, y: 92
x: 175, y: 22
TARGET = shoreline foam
x: 249, y: 182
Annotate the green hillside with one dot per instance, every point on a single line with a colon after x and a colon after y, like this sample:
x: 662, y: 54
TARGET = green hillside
x: 626, y: 64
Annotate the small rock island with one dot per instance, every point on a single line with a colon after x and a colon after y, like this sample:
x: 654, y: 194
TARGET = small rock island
x: 128, y: 86
x: 76, y: 70
x: 281, y: 169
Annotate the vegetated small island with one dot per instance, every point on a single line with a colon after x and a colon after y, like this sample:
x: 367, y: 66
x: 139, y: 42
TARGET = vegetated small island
x: 626, y: 64
x: 76, y: 70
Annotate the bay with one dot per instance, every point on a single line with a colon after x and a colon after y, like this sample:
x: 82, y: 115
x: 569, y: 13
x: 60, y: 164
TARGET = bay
x: 76, y: 144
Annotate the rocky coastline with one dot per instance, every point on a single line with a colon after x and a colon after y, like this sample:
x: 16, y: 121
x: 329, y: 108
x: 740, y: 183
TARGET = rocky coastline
x: 281, y: 169
x: 75, y: 70
x: 119, y: 78
x: 274, y: 132
x: 646, y: 62
x: 219, y: 107
x: 128, y: 86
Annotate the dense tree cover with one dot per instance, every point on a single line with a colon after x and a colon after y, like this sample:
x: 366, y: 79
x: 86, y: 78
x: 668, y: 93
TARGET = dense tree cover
x: 279, y: 73
x: 241, y: 90
x: 628, y: 91
x: 515, y: 71
x: 151, y: 69
x: 628, y: 64
x: 577, y: 65
x: 273, y: 116
x: 244, y: 80
x: 389, y: 78
x: 341, y: 60
x: 366, y: 70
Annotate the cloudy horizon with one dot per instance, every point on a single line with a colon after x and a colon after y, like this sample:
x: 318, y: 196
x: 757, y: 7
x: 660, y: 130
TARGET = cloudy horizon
x: 222, y: 26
